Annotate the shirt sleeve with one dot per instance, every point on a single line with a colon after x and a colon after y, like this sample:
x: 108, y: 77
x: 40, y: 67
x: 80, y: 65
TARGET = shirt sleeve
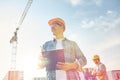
x: 81, y: 59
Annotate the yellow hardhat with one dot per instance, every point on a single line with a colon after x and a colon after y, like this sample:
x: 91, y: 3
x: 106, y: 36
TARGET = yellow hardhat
x: 95, y: 57
x: 51, y: 21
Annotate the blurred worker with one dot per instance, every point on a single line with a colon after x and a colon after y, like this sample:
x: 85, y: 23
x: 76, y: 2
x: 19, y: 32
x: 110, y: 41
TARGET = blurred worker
x: 100, y: 69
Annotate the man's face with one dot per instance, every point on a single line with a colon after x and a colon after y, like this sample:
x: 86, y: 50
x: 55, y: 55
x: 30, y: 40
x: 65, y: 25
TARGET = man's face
x: 57, y: 28
x: 96, y: 61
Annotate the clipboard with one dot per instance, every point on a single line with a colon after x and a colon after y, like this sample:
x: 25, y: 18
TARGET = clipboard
x: 53, y: 57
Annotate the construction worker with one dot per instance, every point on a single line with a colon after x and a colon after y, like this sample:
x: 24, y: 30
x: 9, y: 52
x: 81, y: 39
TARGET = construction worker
x: 74, y: 58
x: 100, y: 69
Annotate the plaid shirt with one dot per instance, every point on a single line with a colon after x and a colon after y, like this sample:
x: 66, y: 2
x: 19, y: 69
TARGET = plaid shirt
x: 71, y: 53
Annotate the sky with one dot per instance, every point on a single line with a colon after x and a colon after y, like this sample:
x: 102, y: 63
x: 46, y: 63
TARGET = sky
x: 93, y: 24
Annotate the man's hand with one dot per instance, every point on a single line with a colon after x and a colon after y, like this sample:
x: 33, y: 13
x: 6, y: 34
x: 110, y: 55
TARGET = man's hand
x: 66, y: 66
x: 94, y: 73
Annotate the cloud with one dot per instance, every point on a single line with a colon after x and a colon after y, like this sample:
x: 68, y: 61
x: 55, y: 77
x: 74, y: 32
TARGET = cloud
x: 98, y: 2
x: 87, y: 23
x: 75, y: 2
x: 105, y: 22
x: 85, y: 2
x: 103, y: 30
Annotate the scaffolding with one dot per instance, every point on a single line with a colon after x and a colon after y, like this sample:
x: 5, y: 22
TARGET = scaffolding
x: 13, y: 41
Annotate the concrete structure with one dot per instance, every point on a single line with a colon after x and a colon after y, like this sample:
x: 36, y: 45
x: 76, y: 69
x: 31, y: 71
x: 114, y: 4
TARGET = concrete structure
x: 14, y: 75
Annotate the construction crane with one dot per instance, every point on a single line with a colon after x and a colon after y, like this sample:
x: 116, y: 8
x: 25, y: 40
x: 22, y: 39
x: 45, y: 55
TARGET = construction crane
x: 13, y: 40
x: 13, y: 74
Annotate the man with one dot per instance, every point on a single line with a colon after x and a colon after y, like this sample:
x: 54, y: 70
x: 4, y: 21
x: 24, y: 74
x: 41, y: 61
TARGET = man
x: 74, y: 58
x: 100, y: 69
